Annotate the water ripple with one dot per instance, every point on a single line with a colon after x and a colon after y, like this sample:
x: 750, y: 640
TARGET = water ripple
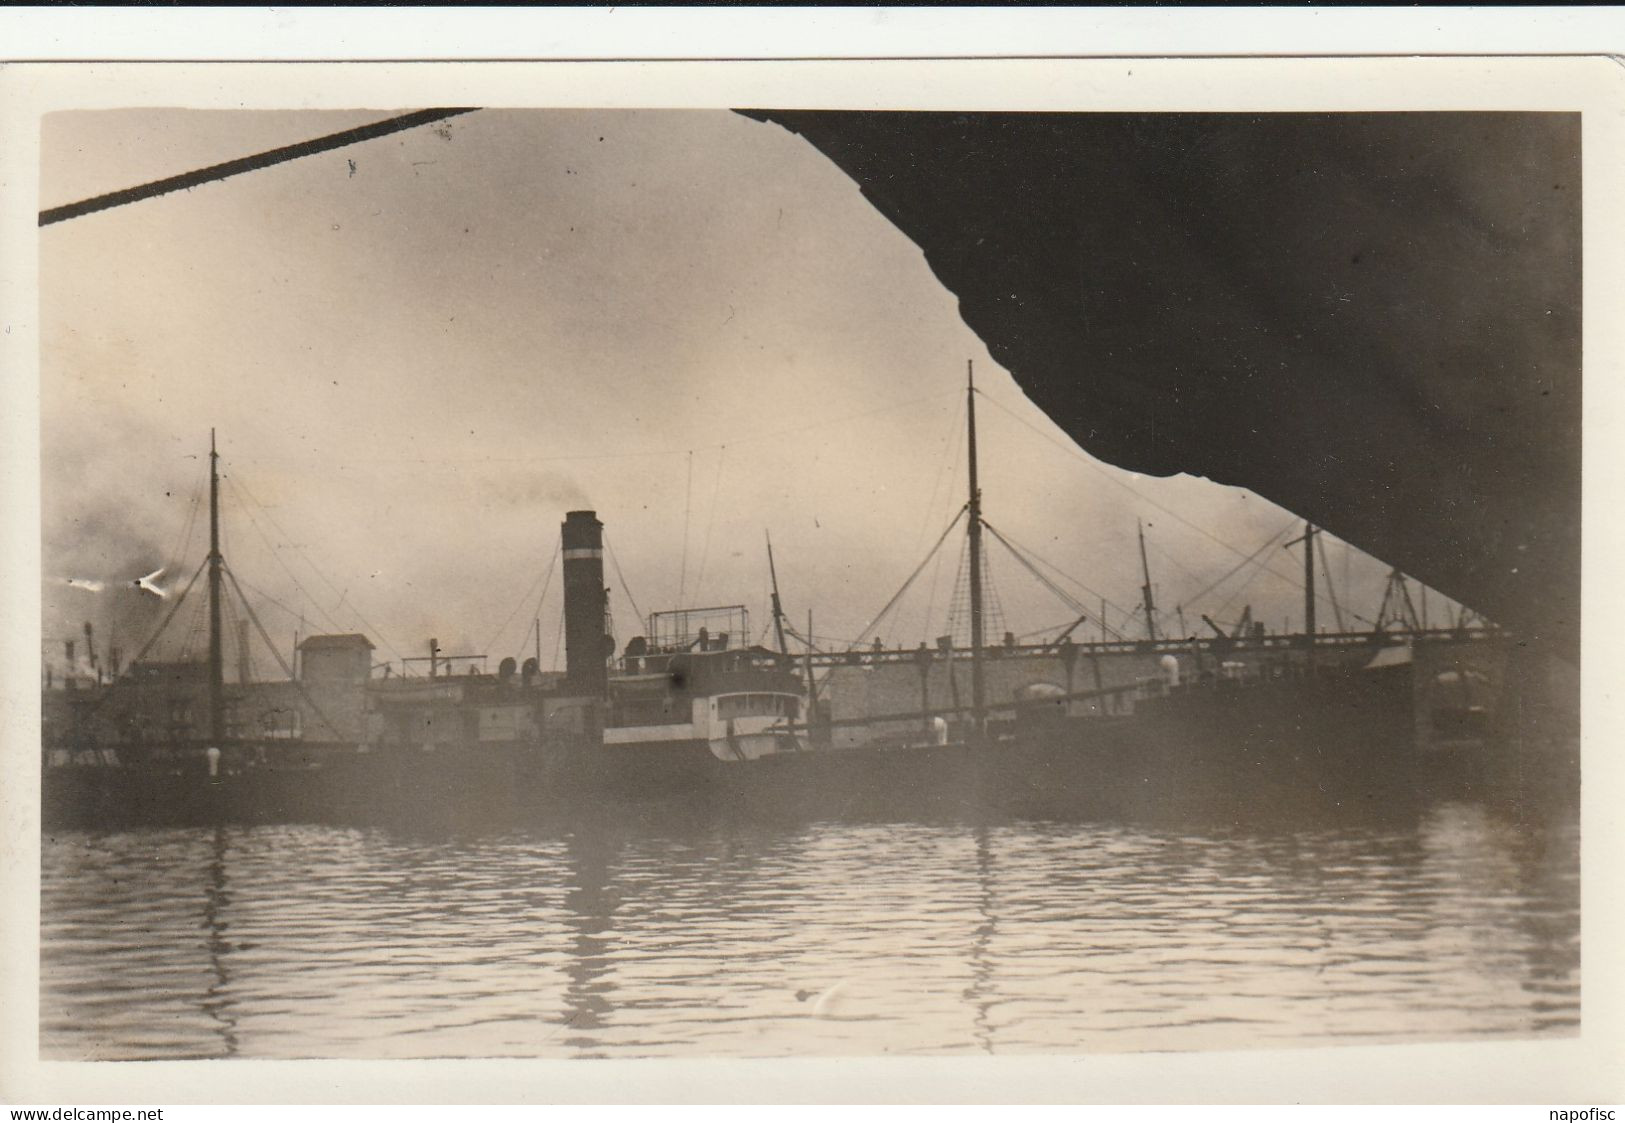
x: 727, y: 939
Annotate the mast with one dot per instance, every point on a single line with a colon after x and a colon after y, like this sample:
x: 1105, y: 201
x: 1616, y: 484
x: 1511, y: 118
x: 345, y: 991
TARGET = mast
x: 778, y: 610
x: 1308, y: 541
x: 1410, y: 607
x: 217, y: 708
x: 812, y: 688
x: 1309, y: 583
x: 1331, y: 587
x: 1145, y: 589
x: 977, y: 695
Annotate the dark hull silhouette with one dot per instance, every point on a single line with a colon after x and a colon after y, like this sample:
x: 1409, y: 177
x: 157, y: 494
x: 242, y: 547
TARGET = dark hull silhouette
x: 1305, y: 747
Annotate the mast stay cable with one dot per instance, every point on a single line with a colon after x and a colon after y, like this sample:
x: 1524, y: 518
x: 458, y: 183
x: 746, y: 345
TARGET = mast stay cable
x: 1066, y: 598
x: 710, y: 524
x: 1248, y: 560
x: 688, y: 504
x: 524, y: 599
x: 146, y: 647
x: 277, y: 655
x: 277, y: 554
x: 1021, y: 550
x: 174, y: 557
x: 1331, y: 590
x: 643, y: 621
x: 1089, y: 463
x: 917, y: 571
x: 313, y: 568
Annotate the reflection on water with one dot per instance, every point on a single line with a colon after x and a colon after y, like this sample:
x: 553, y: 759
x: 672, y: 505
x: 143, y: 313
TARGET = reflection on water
x: 217, y: 1002
x: 729, y: 938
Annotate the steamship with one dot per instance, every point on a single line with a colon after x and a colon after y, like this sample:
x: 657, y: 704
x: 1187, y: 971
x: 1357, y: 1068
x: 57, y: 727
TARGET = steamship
x: 692, y: 709
x: 691, y: 697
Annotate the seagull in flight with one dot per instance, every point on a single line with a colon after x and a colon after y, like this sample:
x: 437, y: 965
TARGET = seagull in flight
x: 85, y: 584
x: 149, y: 583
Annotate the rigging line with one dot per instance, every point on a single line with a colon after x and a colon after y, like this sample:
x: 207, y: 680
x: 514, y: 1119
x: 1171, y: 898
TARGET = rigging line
x: 269, y: 599
x: 294, y: 546
x: 142, y: 654
x: 688, y: 500
x: 225, y: 537
x: 1347, y: 550
x: 710, y: 524
x: 959, y: 595
x: 1128, y: 618
x: 97, y: 703
x: 1171, y: 559
x: 1331, y: 590
x: 228, y: 629
x: 1046, y: 630
x: 383, y: 639
x: 175, y: 557
x: 277, y: 555
x: 558, y: 641
x: 1098, y: 469
x: 195, y: 627
x: 299, y: 686
x: 215, y: 172
x: 1320, y: 594
x: 810, y: 641
x: 541, y: 599
x: 931, y: 593
x: 1036, y: 556
x: 897, y: 595
x: 185, y: 540
x: 943, y: 471
x: 1239, y: 566
x: 643, y: 620
x: 1066, y: 598
x: 952, y: 471
x: 524, y: 599
x: 1231, y: 599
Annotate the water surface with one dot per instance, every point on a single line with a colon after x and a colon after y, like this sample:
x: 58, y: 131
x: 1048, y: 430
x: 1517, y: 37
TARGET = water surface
x: 735, y: 939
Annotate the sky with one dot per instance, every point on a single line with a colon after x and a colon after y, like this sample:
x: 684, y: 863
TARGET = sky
x: 417, y: 353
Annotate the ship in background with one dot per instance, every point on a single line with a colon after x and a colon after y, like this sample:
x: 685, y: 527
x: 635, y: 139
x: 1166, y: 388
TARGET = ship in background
x: 1228, y: 720
x: 693, y: 710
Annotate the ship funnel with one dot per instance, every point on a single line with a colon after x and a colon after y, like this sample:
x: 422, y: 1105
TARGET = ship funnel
x: 586, y: 648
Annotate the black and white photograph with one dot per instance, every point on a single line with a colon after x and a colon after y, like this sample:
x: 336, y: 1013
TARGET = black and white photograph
x: 1006, y: 570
